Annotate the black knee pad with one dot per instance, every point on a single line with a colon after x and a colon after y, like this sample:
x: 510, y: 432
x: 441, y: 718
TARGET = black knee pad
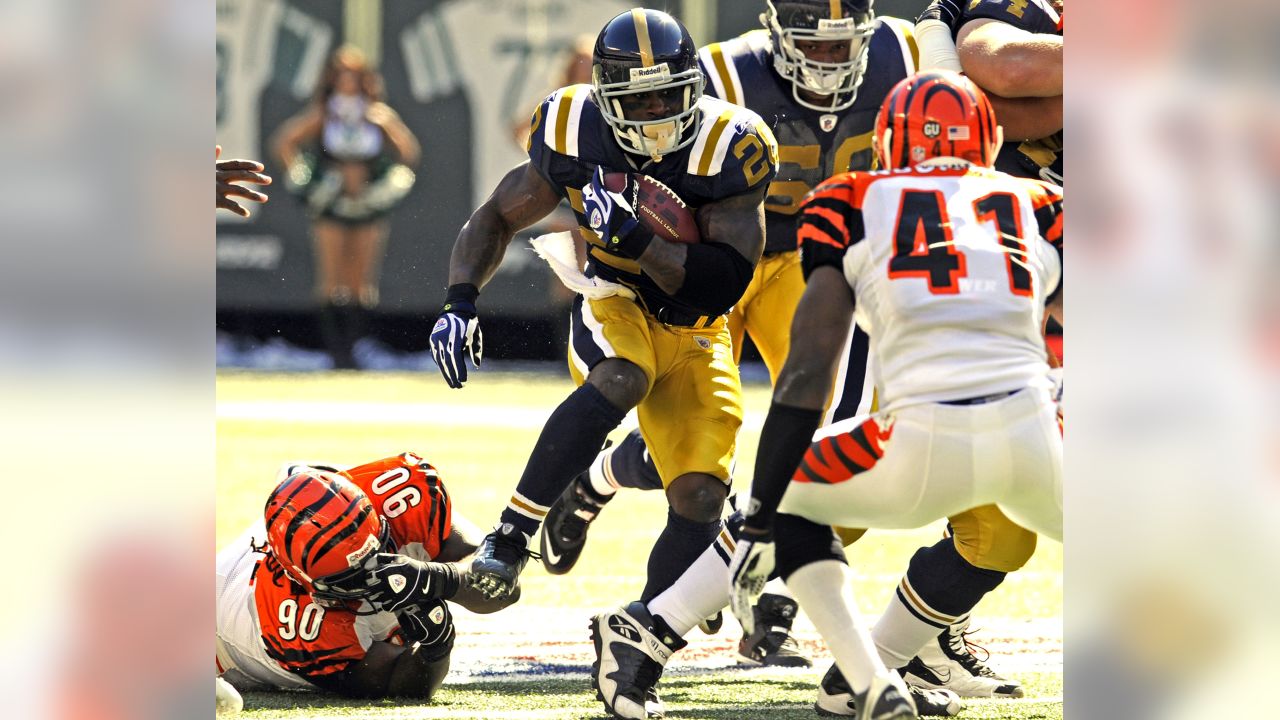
x: 798, y: 542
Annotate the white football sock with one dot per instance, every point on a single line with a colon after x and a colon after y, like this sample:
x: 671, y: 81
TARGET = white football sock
x: 900, y: 635
x: 599, y: 473
x: 702, y: 591
x: 824, y: 590
x: 777, y: 587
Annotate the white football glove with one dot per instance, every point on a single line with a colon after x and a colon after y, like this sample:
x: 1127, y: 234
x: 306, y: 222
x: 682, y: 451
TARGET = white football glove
x: 749, y: 570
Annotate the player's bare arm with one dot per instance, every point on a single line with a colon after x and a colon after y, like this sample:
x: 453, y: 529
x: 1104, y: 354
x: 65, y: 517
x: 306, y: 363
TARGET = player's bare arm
x: 1010, y: 61
x: 390, y: 670
x: 1028, y: 118
x: 521, y: 198
x: 736, y: 221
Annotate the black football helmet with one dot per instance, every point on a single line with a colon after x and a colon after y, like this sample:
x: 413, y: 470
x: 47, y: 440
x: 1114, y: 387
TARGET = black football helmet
x: 849, y: 21
x: 641, y: 52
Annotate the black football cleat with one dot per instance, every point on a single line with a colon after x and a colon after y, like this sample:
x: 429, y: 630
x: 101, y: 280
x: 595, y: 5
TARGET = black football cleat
x: 564, y: 531
x: 771, y: 643
x: 837, y: 699
x: 495, y: 571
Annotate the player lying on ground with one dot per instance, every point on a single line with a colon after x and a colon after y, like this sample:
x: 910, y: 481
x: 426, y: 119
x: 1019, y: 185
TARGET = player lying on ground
x: 342, y: 585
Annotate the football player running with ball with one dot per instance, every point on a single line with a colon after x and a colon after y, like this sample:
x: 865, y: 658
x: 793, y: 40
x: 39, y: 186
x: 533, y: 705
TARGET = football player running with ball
x: 342, y: 585
x: 951, y: 265
x: 661, y: 344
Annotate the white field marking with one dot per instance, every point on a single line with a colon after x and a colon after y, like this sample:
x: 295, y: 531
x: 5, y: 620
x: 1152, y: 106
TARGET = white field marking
x: 533, y: 644
x: 512, y: 417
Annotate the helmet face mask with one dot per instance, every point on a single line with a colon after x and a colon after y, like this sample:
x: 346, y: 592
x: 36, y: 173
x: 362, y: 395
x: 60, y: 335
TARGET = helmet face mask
x: 639, y: 53
x: 796, y: 25
x: 323, y: 532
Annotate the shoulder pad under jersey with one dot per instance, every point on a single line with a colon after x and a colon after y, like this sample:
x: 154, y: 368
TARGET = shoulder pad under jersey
x: 734, y: 146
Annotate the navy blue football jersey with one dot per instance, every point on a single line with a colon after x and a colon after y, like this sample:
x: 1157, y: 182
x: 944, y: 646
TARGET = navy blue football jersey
x: 1037, y: 159
x: 812, y: 145
x: 734, y: 153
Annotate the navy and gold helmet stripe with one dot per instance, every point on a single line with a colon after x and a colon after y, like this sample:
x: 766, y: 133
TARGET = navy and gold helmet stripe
x: 835, y: 10
x: 642, y: 36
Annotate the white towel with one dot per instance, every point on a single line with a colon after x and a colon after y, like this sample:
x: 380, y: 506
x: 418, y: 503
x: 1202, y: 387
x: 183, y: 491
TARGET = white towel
x: 557, y: 250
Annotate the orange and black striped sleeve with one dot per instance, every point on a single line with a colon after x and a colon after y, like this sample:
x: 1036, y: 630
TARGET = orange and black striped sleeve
x: 830, y: 223
x: 1046, y: 199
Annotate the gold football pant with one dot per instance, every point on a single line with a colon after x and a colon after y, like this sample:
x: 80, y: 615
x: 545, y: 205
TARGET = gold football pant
x: 691, y: 414
x: 766, y: 308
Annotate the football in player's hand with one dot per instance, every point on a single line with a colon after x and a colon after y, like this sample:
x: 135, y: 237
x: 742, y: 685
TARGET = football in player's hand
x: 659, y: 208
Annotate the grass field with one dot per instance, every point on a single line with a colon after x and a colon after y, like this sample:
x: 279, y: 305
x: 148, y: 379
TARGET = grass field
x: 531, y: 661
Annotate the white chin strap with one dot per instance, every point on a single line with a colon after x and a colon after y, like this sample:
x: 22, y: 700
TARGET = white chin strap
x: 824, y: 83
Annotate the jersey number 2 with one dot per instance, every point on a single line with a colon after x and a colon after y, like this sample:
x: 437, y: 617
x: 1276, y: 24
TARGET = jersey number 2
x: 924, y: 247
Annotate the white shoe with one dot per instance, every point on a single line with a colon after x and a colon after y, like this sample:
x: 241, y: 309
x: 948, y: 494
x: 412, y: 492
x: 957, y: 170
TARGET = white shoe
x: 948, y: 662
x: 226, y: 698
x: 632, y: 647
x: 836, y: 699
x: 886, y: 699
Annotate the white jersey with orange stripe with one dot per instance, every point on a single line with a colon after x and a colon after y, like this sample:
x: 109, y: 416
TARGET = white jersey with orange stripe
x: 951, y: 265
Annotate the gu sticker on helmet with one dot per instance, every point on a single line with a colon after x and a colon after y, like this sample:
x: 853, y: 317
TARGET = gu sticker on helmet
x: 932, y: 129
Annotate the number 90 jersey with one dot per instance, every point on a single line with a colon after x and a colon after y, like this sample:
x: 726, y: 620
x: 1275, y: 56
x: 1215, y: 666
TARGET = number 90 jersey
x: 734, y: 153
x: 951, y: 266
x: 812, y: 145
x: 272, y: 633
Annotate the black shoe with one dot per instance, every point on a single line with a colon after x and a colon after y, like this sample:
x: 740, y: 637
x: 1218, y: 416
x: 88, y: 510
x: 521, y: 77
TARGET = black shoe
x: 712, y: 625
x: 771, y: 643
x: 495, y: 571
x: 836, y: 699
x: 564, y: 531
x: 631, y: 647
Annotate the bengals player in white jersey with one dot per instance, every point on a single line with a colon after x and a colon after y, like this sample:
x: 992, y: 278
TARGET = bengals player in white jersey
x: 950, y: 266
x: 342, y: 586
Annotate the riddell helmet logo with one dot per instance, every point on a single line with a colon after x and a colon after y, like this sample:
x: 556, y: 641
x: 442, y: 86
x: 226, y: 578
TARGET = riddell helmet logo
x: 653, y: 72
x: 623, y: 628
x: 357, y: 557
x: 932, y: 129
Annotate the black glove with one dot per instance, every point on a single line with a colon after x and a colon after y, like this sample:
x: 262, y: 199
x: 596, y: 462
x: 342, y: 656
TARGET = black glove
x: 457, y: 335
x: 430, y: 624
x: 398, y: 582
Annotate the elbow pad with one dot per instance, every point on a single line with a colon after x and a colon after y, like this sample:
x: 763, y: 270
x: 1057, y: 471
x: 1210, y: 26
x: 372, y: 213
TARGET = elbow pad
x: 715, y: 276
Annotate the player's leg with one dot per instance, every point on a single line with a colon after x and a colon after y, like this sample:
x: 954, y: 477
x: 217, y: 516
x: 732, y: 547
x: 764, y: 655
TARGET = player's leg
x: 689, y: 422
x: 564, y: 532
x: 612, y: 359
x: 923, y: 629
x: 811, y: 561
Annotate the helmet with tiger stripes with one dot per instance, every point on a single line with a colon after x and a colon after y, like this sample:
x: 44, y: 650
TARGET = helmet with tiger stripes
x: 322, y: 529
x: 932, y: 114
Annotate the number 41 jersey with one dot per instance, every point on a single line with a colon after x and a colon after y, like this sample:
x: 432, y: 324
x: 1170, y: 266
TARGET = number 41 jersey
x: 951, y: 266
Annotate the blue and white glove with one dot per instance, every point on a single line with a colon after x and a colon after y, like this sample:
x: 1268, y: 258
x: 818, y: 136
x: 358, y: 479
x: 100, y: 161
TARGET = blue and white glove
x: 457, y: 335
x: 752, y: 564
x: 612, y: 215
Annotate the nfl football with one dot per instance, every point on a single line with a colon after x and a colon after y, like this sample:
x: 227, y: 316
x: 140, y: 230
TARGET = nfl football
x: 659, y: 208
